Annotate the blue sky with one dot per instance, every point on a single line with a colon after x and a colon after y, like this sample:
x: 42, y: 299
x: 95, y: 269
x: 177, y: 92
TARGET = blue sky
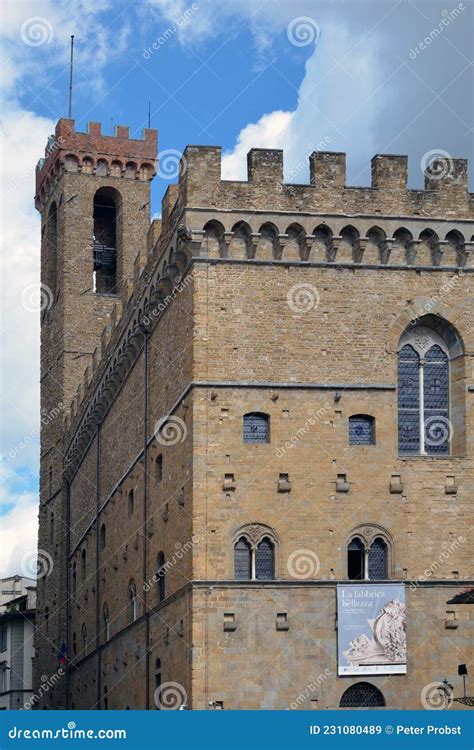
x: 361, y: 76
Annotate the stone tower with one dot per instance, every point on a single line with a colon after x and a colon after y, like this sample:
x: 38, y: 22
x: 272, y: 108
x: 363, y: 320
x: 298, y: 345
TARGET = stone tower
x: 93, y: 193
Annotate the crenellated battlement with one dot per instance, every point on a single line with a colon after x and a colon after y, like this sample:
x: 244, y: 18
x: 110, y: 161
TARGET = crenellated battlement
x: 92, y: 152
x: 445, y: 191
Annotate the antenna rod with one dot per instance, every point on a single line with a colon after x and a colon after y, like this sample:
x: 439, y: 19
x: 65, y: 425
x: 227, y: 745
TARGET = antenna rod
x: 70, y: 77
x: 149, y: 114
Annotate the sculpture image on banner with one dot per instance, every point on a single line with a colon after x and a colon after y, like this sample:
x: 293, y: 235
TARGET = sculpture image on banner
x: 371, y: 629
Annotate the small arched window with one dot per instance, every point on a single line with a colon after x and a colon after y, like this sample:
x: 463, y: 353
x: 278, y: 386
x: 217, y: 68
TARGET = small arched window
x: 51, y: 528
x: 159, y: 468
x: 242, y: 560
x: 256, y: 428
x: 83, y: 564
x: 362, y: 695
x: 254, y: 555
x: 423, y: 394
x: 105, y: 241
x: 158, y: 681
x: 102, y: 536
x: 74, y: 578
x: 264, y: 559
x: 130, y: 503
x: 105, y: 614
x: 84, y: 638
x: 367, y: 559
x: 161, y: 576
x: 74, y: 644
x: 361, y: 430
x: 132, y: 597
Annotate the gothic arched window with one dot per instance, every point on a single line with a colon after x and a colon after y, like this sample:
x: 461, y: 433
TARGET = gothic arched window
x: 105, y: 614
x: 264, y: 563
x: 254, y: 554
x: 242, y: 560
x: 362, y: 695
x: 132, y: 596
x: 161, y: 576
x: 84, y: 639
x: 256, y: 428
x: 423, y: 394
x: 367, y: 555
x: 106, y: 214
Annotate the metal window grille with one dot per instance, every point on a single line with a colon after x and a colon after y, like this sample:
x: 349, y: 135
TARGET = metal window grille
x: 361, y: 430
x: 362, y: 695
x: 378, y: 560
x: 242, y: 560
x: 256, y: 428
x: 264, y: 567
x: 436, y: 401
x: 408, y: 401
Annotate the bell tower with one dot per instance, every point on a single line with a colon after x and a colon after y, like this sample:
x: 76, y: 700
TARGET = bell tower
x: 93, y: 194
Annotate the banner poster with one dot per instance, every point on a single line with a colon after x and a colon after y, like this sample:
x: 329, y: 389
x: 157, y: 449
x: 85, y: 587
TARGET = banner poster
x: 371, y: 633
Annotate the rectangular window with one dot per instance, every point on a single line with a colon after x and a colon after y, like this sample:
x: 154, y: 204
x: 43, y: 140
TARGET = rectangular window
x: 3, y: 639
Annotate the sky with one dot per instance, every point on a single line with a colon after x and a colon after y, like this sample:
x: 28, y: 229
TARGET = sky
x: 360, y: 76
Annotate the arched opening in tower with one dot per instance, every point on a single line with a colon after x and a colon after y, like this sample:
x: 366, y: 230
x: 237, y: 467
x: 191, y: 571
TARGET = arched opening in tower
x: 105, y: 241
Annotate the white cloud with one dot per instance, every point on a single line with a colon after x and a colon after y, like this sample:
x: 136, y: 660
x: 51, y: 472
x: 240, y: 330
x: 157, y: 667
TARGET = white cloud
x: 28, y: 66
x: 321, y: 120
x: 271, y: 131
x: 19, y: 528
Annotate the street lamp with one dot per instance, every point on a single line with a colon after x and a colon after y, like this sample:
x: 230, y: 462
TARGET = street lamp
x: 462, y: 671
